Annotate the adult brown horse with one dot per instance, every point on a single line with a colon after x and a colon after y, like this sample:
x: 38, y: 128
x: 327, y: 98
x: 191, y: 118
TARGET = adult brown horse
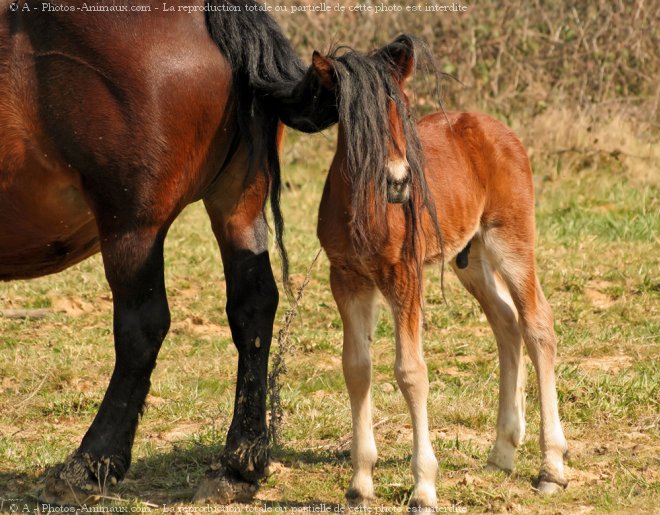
x: 456, y: 188
x: 110, y: 124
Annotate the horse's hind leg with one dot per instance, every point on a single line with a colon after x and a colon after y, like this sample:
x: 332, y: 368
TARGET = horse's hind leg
x: 514, y: 259
x: 235, y: 208
x: 481, y: 280
x: 356, y: 300
x: 404, y: 295
x: 133, y: 261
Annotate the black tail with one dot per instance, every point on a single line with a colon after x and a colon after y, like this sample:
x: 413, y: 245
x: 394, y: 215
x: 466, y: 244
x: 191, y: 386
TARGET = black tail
x: 265, y: 71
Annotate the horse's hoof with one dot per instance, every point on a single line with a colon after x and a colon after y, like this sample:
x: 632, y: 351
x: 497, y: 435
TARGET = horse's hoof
x: 247, y: 458
x: 222, y: 488
x: 550, y: 483
x: 70, y: 484
x: 422, y: 501
x: 355, y: 499
x: 549, y: 488
x: 501, y: 457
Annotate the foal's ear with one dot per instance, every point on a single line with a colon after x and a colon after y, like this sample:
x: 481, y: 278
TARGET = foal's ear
x: 401, y: 52
x: 325, y: 71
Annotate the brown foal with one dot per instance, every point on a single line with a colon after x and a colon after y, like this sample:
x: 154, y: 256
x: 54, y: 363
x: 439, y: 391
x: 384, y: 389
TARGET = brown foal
x: 476, y: 173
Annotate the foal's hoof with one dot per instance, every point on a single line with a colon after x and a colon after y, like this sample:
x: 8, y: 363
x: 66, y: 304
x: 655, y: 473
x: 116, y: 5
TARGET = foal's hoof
x: 222, y: 488
x: 548, y: 485
x: 423, y: 500
x: 355, y: 499
x: 549, y: 488
x: 501, y: 457
x: 493, y: 467
x: 71, y: 484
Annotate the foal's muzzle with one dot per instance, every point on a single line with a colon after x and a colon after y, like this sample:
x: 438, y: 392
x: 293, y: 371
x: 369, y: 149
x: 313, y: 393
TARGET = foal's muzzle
x: 398, y: 191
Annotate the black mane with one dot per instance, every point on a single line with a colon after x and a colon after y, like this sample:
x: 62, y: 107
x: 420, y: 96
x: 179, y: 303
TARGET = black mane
x: 367, y: 83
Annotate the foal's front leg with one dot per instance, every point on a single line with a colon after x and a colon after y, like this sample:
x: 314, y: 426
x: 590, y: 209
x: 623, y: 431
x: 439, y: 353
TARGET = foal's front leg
x: 356, y: 300
x: 404, y: 296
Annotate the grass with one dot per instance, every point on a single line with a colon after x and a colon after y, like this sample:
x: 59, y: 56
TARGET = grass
x: 598, y: 226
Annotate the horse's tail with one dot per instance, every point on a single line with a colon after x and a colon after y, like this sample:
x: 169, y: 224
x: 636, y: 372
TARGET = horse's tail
x: 265, y: 70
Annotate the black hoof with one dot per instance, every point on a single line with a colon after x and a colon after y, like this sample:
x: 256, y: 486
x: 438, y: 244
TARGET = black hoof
x: 221, y: 487
x: 73, y: 483
x: 248, y: 459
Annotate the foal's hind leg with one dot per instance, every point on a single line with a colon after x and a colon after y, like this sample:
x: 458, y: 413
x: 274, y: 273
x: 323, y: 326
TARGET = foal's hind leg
x: 356, y: 300
x: 514, y: 260
x: 235, y: 208
x: 488, y: 288
x: 133, y: 261
x: 404, y: 295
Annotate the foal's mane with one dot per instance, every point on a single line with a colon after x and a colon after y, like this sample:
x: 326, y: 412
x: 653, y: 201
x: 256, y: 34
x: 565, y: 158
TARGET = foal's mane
x: 367, y: 83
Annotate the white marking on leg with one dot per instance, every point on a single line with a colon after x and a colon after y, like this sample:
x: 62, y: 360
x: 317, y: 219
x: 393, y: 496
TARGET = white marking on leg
x: 541, y: 345
x: 493, y: 296
x: 513, y: 376
x: 536, y: 326
x: 412, y: 377
x: 504, y: 259
x: 358, y: 316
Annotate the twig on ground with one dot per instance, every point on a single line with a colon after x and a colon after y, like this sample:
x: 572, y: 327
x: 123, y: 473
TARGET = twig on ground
x: 25, y: 313
x: 33, y: 393
x: 279, y: 365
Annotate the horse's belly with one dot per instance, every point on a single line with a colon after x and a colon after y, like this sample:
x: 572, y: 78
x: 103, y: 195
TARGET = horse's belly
x: 45, y: 222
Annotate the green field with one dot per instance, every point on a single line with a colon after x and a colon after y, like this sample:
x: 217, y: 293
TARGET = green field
x: 598, y: 220
x: 578, y: 81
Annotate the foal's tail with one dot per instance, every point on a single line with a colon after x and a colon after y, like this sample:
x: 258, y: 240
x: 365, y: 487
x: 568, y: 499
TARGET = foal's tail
x: 265, y: 71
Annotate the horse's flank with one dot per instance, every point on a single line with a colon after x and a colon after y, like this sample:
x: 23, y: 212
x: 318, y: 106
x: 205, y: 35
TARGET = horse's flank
x: 53, y: 65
